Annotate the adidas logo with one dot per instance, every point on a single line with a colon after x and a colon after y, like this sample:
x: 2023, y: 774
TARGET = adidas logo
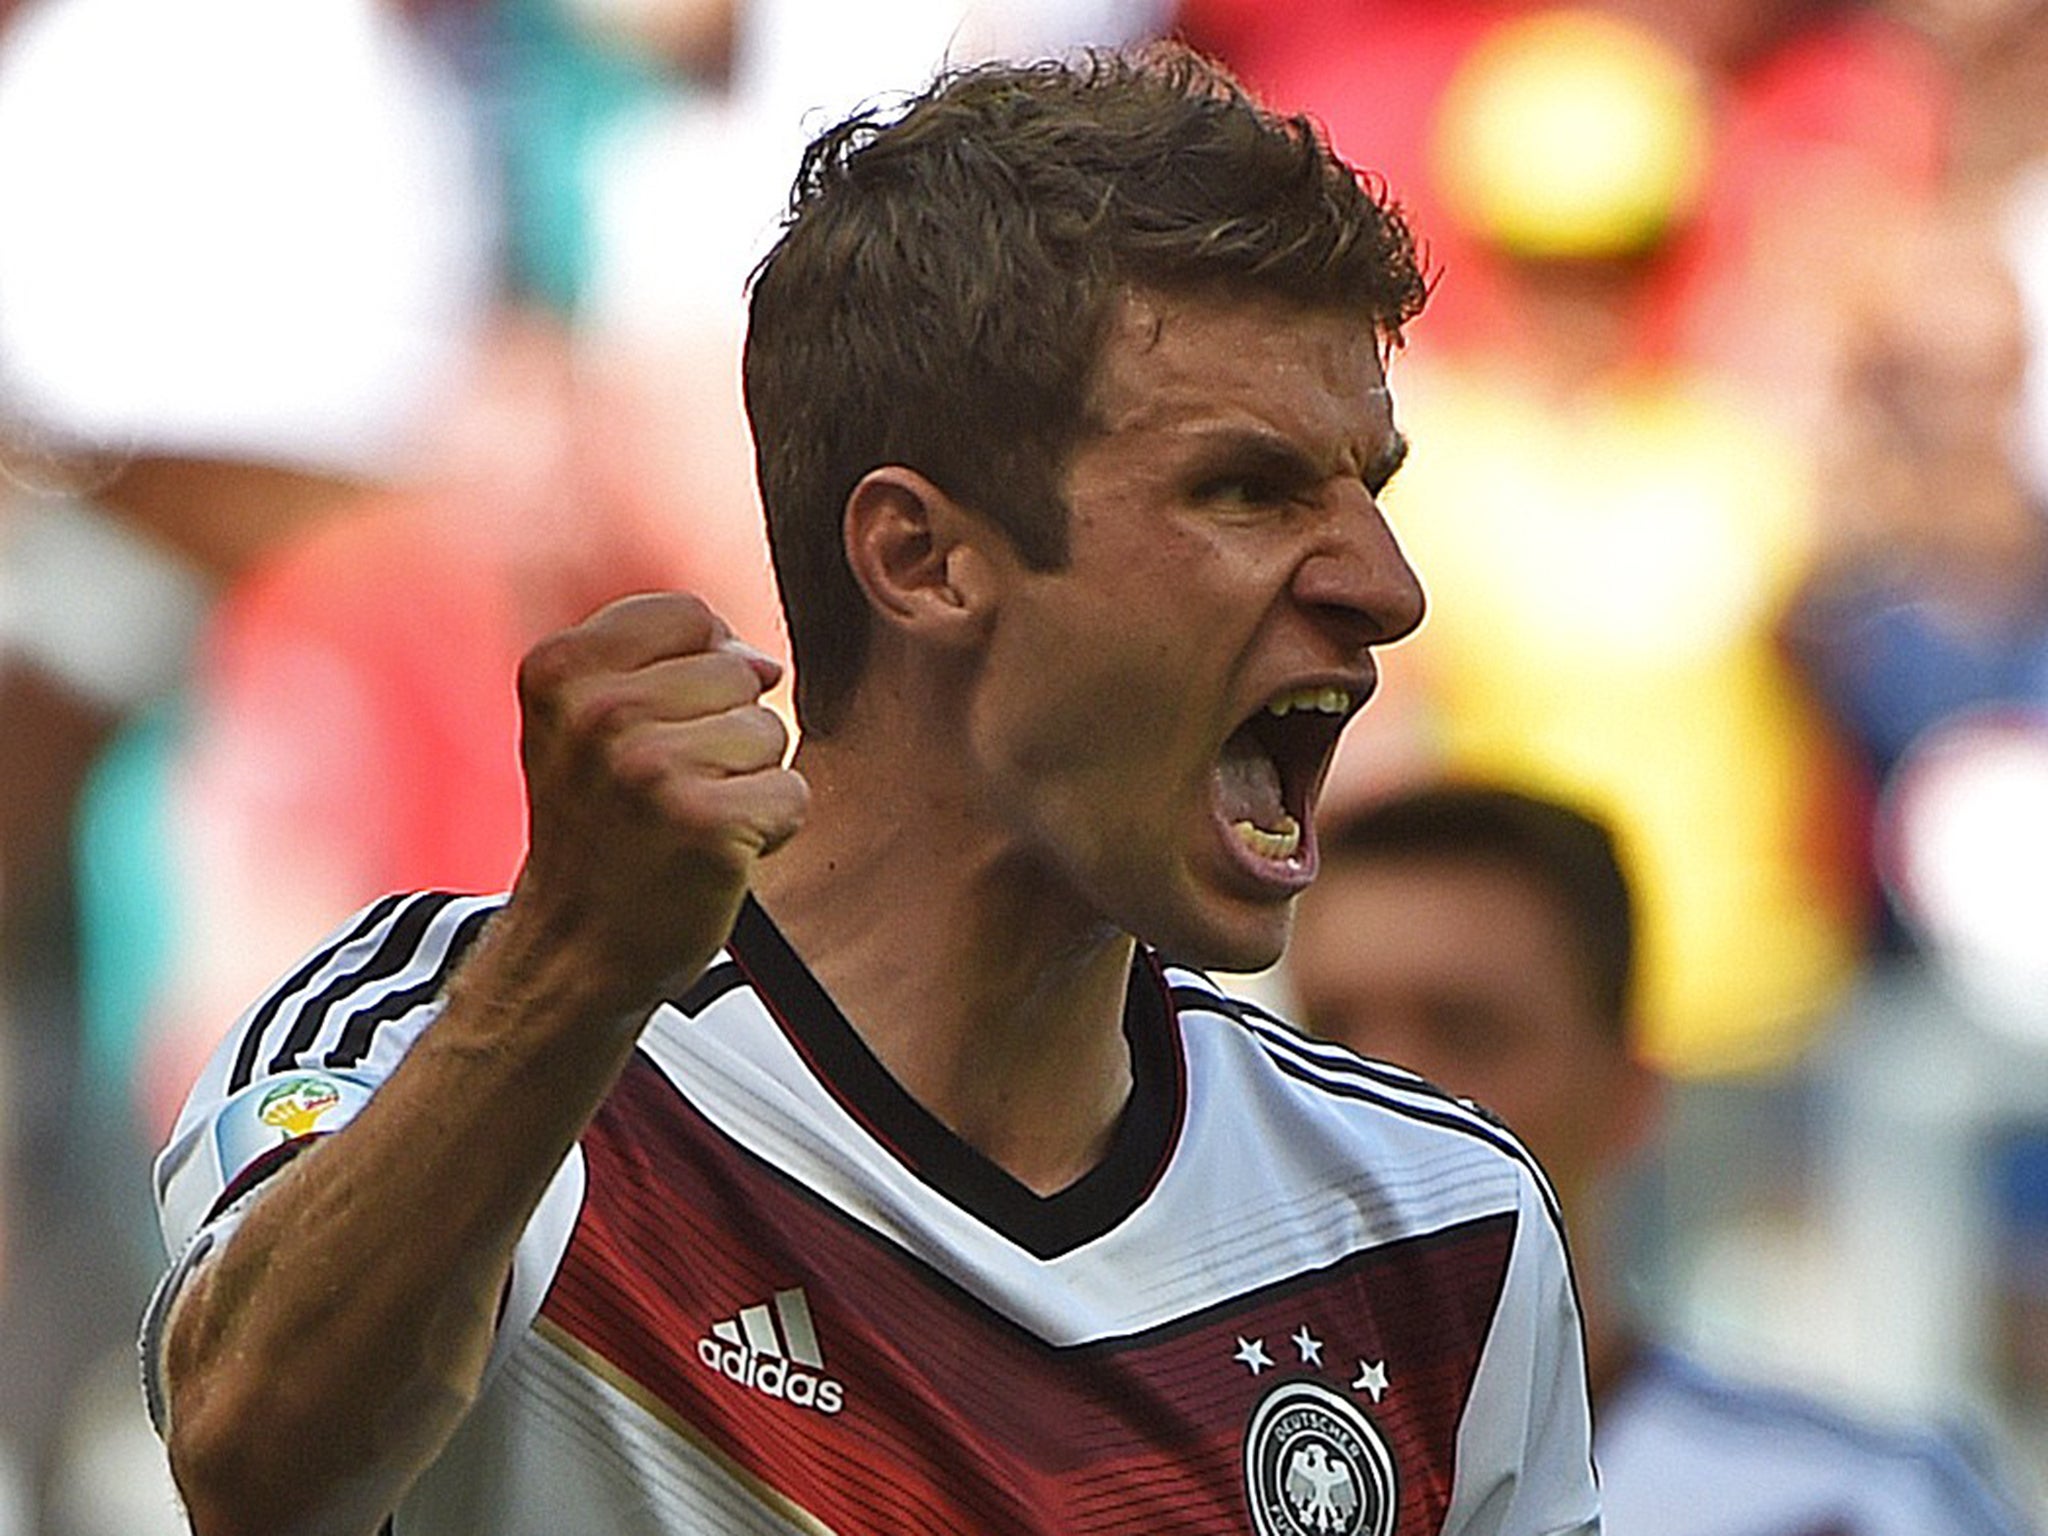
x: 775, y: 1352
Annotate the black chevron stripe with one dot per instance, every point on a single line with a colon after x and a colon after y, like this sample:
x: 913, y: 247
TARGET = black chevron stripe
x: 261, y: 1020
x: 397, y: 950
x: 361, y: 1030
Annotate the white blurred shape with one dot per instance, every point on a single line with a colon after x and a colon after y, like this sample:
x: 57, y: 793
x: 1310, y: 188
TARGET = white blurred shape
x: 1964, y: 838
x: 2026, y: 246
x: 95, y: 603
x: 686, y: 199
x: 113, y: 1478
x: 234, y: 228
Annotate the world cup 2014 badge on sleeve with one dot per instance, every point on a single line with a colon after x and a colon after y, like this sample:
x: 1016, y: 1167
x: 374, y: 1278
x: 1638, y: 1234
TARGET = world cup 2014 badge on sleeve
x: 273, y: 1112
x: 1314, y: 1465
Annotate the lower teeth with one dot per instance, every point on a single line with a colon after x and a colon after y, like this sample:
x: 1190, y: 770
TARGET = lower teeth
x: 1280, y: 844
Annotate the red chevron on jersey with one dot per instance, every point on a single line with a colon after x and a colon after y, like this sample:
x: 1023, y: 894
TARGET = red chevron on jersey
x: 770, y: 1294
x: 869, y: 1391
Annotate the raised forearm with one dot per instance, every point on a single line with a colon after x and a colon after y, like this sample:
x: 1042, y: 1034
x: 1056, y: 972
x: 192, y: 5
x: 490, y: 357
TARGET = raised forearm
x: 321, y: 1359
x: 323, y: 1356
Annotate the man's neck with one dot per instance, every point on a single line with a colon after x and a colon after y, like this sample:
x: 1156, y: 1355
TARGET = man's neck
x: 1612, y: 1346
x: 979, y: 990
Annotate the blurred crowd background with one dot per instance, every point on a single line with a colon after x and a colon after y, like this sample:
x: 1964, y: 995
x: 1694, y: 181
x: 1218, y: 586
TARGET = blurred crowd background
x: 345, y: 347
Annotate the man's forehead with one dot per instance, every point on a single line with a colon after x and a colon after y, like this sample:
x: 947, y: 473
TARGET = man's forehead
x: 1145, y: 317
x: 1176, y: 356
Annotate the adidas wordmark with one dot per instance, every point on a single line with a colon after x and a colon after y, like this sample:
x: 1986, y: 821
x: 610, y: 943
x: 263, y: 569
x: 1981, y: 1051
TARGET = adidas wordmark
x: 774, y: 1353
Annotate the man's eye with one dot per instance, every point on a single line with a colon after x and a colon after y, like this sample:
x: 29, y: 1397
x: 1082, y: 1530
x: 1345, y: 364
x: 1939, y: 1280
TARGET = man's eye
x: 1242, y: 491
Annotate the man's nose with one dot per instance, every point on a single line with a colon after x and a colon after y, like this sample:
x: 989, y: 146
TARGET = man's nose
x: 1358, y: 578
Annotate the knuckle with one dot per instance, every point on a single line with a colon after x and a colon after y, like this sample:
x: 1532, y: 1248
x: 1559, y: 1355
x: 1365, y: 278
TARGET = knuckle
x: 785, y: 803
x: 596, y: 714
x: 547, y: 667
x: 794, y: 791
x: 637, y: 759
x: 689, y: 606
x: 738, y: 742
x: 683, y: 615
x: 770, y: 731
x: 750, y: 739
x: 724, y: 679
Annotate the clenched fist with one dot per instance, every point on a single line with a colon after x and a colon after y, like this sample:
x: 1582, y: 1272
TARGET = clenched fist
x: 654, y: 780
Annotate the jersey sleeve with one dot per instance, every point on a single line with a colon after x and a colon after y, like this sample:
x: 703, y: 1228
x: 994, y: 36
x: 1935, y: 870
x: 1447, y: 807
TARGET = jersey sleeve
x: 1679, y: 1439
x: 299, y: 1065
x: 1525, y: 1463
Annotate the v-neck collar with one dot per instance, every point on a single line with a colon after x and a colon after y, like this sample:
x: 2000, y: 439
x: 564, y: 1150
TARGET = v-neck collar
x: 1044, y: 1225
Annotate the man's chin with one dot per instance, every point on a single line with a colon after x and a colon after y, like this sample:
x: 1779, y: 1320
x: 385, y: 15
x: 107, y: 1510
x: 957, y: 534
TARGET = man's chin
x: 1251, y: 941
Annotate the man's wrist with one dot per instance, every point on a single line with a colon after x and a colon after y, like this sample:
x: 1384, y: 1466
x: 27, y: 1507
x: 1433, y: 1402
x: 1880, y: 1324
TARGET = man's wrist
x: 533, y: 976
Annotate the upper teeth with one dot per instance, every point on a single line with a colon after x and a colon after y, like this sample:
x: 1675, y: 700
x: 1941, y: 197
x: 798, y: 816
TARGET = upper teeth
x: 1321, y: 701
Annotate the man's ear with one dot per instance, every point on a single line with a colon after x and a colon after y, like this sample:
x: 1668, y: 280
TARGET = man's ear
x: 923, y: 560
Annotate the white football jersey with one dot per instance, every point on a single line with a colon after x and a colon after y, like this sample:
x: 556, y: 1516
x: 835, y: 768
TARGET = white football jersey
x: 1302, y: 1295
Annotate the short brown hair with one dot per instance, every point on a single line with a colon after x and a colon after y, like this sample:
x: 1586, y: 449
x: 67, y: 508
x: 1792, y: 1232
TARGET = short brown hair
x: 946, y: 276
x: 1568, y: 856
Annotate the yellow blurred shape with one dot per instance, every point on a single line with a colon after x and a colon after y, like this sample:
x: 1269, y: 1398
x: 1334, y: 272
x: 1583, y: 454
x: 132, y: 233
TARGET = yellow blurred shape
x: 1571, y: 134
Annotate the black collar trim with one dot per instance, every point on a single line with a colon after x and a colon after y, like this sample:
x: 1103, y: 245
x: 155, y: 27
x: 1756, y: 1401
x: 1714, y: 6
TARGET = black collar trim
x: 1044, y: 1225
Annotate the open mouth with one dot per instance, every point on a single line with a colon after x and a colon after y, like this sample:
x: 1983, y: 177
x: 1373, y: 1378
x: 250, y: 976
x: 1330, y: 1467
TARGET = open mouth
x: 1267, y: 775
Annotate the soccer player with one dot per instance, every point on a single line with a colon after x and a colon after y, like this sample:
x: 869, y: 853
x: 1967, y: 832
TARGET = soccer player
x: 850, y: 1146
x: 1484, y: 937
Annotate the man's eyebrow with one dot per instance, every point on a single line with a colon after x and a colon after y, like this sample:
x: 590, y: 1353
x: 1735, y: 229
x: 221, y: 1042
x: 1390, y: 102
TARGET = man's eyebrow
x: 1253, y: 450
x: 1242, y: 450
